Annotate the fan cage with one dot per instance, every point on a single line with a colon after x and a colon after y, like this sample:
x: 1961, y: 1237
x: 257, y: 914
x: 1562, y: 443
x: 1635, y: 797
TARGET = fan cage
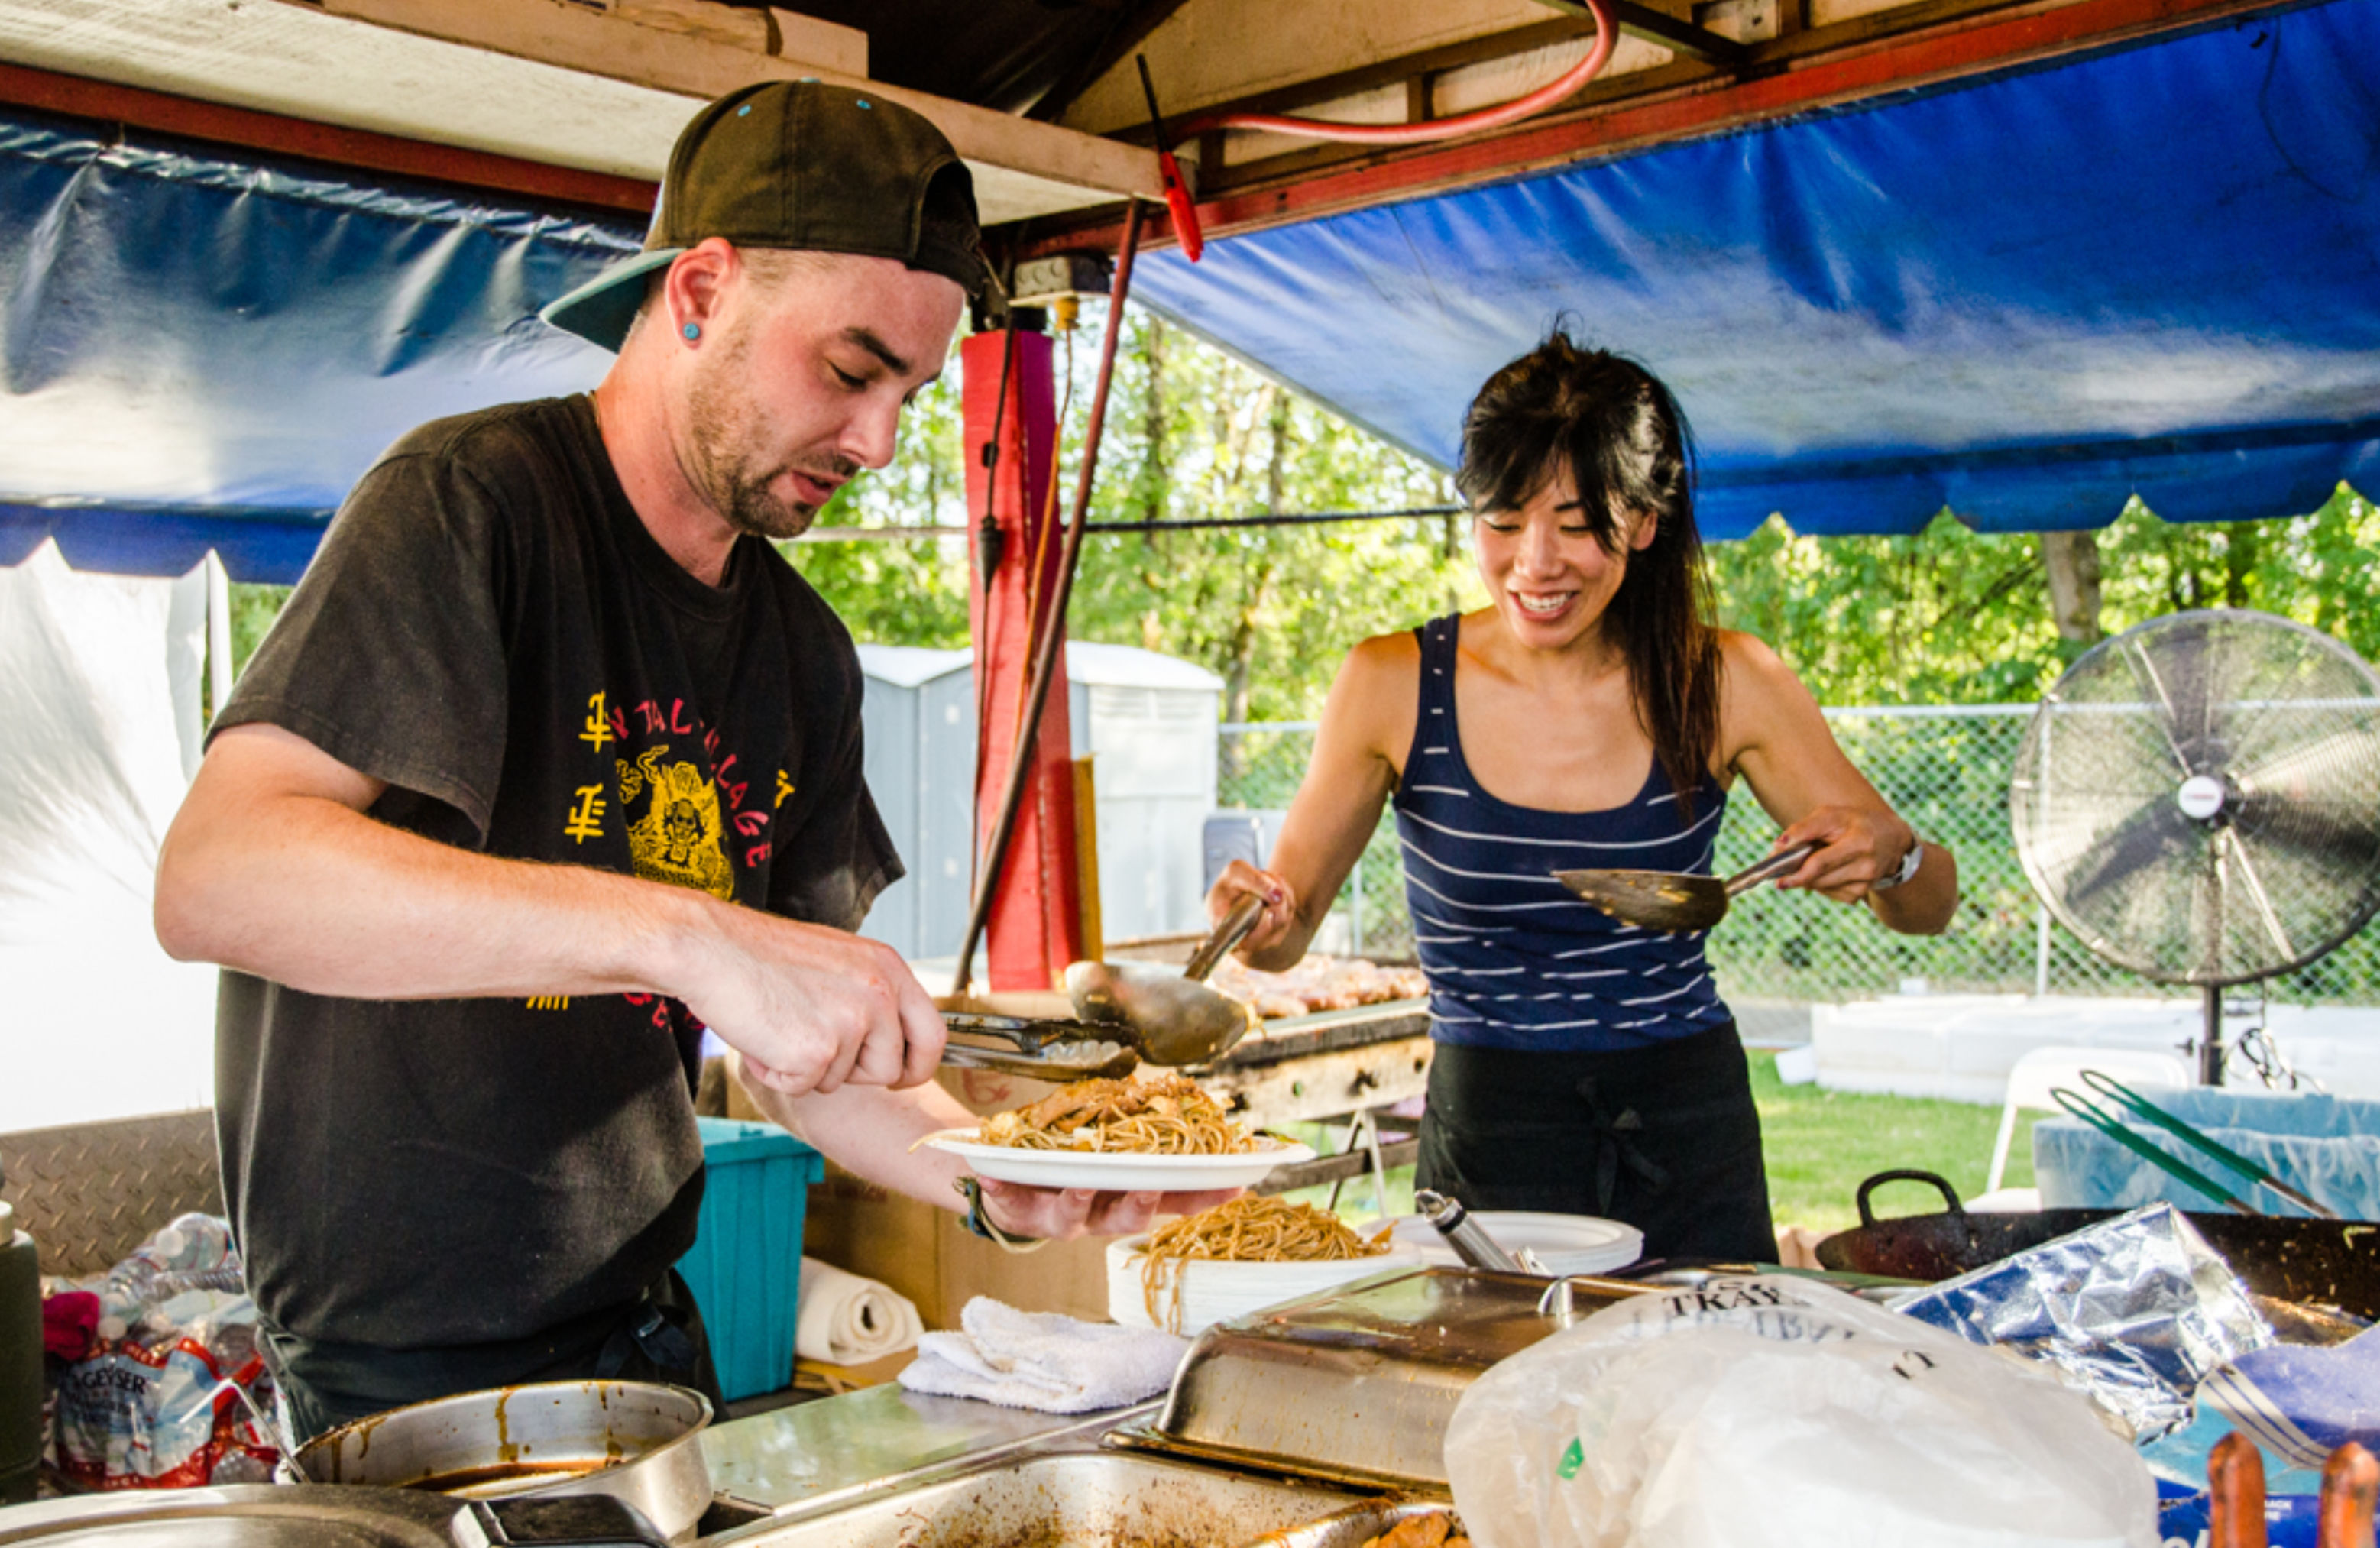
x: 2286, y: 718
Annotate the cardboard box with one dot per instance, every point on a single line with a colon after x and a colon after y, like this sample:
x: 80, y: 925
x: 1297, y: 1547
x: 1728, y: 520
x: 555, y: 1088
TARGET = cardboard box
x: 928, y: 1254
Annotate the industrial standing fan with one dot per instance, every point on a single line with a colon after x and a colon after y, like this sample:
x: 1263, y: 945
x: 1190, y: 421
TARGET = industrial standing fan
x: 2198, y: 801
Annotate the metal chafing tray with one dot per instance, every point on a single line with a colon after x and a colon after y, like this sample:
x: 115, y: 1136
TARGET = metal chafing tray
x: 1355, y: 1384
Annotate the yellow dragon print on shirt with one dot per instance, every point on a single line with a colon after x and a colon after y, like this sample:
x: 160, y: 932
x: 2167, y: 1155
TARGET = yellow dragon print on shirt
x: 678, y: 838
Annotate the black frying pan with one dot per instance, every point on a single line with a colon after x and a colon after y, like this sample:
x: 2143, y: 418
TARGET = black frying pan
x: 2318, y: 1263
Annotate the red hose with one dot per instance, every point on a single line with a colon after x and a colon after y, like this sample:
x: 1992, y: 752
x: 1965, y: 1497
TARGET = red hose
x: 1606, y: 33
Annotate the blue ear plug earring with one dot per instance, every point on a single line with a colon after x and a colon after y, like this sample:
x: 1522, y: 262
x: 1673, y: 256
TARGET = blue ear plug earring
x: 694, y: 330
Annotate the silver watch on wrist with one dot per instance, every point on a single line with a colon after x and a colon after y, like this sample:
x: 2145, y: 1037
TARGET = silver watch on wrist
x: 1909, y: 864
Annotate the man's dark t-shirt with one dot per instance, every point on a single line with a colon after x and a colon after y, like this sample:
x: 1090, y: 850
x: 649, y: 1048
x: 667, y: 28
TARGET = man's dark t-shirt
x: 491, y: 629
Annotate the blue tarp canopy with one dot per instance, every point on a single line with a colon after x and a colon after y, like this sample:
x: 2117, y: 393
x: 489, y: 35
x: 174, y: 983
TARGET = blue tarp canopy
x: 2150, y: 270
x: 203, y: 353
x: 2154, y: 270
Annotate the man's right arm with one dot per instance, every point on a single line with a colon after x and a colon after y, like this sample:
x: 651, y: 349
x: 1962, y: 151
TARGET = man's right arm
x: 272, y: 868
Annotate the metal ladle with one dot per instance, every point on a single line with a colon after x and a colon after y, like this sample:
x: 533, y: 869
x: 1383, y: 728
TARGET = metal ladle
x: 1170, y: 1017
x: 1674, y: 899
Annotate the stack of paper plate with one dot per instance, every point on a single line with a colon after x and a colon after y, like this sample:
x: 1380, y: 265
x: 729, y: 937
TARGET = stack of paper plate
x: 1567, y: 1243
x: 1213, y: 1292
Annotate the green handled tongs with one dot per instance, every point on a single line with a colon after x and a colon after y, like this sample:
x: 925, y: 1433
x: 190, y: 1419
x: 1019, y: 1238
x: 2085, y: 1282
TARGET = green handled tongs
x: 2132, y: 1101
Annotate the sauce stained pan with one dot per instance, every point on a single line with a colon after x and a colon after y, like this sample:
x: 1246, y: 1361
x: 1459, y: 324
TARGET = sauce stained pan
x: 2314, y: 1262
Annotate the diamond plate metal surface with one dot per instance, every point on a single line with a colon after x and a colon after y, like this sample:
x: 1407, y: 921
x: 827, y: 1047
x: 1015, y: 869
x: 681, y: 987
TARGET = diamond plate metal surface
x: 90, y: 1193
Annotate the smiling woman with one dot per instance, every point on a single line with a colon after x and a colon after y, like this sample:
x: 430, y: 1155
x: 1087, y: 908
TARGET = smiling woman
x: 1595, y: 448
x: 1590, y: 715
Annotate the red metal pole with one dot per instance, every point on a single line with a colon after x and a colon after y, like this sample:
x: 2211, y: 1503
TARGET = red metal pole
x: 1035, y: 918
x: 1046, y: 664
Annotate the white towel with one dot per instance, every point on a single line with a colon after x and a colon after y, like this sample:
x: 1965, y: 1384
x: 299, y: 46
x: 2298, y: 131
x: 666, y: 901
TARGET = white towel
x: 1043, y: 1359
x: 841, y: 1318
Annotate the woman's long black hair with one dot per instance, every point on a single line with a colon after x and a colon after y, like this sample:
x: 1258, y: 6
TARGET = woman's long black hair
x: 1619, y: 433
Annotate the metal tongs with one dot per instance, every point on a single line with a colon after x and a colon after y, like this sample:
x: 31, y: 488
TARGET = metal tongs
x: 1129, y: 1012
x: 1674, y: 899
x: 2113, y: 1127
x: 1039, y: 1049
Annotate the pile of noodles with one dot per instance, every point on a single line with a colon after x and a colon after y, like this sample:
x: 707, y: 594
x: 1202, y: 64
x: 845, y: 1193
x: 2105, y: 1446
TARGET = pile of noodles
x: 1166, y: 1117
x: 1246, y: 1230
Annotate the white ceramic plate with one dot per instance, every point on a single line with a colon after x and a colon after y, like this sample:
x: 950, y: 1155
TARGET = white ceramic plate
x: 1213, y: 1292
x: 1118, y: 1171
x: 1568, y: 1243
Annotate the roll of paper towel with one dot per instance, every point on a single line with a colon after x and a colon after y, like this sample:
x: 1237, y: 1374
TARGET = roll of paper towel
x: 841, y: 1318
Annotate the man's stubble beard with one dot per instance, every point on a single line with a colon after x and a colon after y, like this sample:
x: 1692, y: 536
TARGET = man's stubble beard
x: 718, y: 434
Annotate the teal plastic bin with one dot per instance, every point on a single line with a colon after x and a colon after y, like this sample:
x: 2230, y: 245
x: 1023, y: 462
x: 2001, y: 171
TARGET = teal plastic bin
x: 745, y: 1264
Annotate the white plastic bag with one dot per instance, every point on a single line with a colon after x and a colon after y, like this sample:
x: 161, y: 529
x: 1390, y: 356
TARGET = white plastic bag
x: 1777, y: 1412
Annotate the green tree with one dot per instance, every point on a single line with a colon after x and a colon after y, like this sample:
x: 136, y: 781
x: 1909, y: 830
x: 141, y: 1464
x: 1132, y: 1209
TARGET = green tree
x: 902, y: 592
x: 1193, y: 433
x: 1950, y: 616
x: 254, y: 608
x: 1945, y: 615
x: 1189, y: 432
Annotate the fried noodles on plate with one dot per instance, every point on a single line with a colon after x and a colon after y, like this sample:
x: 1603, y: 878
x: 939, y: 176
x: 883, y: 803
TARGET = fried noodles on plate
x: 1166, y: 1117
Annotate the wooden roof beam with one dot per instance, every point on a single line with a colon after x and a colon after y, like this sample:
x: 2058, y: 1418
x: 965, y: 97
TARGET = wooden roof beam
x: 278, y: 134
x: 575, y: 37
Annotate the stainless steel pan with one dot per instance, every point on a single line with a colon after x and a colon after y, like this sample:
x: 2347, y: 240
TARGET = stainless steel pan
x: 639, y: 1442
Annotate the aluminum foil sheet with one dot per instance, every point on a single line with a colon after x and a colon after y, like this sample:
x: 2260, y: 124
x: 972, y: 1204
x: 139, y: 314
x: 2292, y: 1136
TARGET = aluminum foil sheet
x: 2137, y: 1311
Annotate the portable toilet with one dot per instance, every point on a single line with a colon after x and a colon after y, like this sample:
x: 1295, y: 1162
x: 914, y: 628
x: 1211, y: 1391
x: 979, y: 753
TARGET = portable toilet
x: 1147, y: 720
x: 1151, y: 722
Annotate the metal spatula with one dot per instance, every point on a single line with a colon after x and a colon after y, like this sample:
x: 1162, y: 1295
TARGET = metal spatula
x: 1674, y: 899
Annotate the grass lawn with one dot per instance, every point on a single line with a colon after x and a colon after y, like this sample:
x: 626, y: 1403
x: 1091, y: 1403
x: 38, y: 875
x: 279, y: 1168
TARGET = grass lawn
x: 1820, y: 1145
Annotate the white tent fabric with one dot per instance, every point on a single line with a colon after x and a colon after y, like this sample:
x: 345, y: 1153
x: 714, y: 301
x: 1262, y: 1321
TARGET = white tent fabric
x: 99, y: 735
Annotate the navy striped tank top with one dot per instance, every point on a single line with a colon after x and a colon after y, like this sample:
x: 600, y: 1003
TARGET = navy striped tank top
x: 1513, y: 960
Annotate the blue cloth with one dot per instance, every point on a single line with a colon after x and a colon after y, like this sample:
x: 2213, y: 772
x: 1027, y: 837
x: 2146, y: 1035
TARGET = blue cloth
x: 2302, y: 1403
x: 1513, y: 960
x: 2329, y: 1146
x: 2151, y: 269
x: 205, y: 352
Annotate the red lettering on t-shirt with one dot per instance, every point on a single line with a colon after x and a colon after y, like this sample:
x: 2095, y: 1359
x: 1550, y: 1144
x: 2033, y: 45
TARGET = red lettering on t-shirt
x: 750, y: 824
x: 677, y: 714
x: 653, y: 714
x: 756, y: 856
x: 619, y: 723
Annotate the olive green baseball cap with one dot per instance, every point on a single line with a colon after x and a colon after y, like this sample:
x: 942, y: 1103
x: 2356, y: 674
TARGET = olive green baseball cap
x: 798, y: 164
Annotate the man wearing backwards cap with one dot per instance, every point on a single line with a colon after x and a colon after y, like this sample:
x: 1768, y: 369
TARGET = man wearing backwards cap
x: 552, y: 762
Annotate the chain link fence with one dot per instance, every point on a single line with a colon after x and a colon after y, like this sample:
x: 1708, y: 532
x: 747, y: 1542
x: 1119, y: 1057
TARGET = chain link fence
x: 1945, y: 769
